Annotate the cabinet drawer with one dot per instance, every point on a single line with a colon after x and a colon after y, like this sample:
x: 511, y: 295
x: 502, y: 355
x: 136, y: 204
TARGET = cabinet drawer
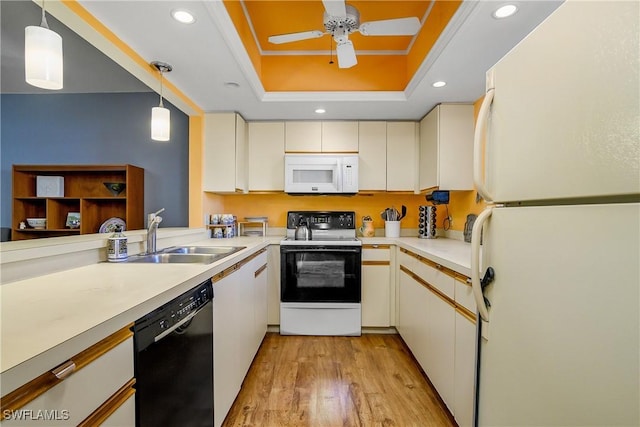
x: 464, y: 295
x: 80, y: 393
x: 404, y: 258
x: 125, y: 415
x: 376, y: 253
x: 436, y: 276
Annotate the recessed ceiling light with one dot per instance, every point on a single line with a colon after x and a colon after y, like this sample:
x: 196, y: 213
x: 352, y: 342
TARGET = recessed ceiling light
x: 505, y: 11
x: 232, y: 84
x: 183, y: 15
x: 439, y: 84
x: 320, y: 110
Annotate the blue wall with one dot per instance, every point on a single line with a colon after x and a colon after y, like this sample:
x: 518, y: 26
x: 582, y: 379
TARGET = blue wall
x: 105, y: 128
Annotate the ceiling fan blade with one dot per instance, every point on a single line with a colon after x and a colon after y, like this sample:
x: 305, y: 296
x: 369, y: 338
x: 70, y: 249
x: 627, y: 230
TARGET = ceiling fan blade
x: 294, y: 37
x: 346, y: 55
x: 335, y: 8
x: 391, y: 27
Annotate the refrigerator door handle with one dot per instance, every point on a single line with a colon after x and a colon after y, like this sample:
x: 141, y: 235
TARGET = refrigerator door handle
x: 476, y: 283
x: 478, y: 152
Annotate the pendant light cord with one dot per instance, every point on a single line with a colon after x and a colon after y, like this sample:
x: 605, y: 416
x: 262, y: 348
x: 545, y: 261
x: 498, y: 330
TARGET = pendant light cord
x: 43, y: 23
x: 161, y: 89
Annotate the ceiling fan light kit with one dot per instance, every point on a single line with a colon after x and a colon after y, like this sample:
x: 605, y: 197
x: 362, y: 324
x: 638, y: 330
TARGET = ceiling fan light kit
x: 340, y: 20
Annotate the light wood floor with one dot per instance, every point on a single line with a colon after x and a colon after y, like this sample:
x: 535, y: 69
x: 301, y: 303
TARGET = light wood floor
x: 336, y: 381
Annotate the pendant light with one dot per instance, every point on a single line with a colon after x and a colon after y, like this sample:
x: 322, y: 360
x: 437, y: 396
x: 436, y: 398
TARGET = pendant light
x: 160, y: 116
x: 43, y: 56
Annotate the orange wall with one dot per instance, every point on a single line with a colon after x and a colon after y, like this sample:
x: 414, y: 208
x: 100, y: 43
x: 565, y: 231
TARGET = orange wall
x: 275, y: 206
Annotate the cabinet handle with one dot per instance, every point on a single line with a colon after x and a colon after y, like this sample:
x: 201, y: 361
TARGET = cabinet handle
x: 260, y: 270
x: 64, y: 370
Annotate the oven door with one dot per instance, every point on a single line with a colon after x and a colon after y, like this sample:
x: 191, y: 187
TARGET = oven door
x: 320, y: 273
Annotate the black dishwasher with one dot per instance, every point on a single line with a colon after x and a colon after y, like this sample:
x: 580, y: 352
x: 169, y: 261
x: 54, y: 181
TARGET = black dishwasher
x: 174, y: 362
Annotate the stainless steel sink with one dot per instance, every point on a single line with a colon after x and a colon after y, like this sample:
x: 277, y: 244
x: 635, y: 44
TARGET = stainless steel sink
x: 187, y: 255
x: 212, y: 250
x: 163, y: 258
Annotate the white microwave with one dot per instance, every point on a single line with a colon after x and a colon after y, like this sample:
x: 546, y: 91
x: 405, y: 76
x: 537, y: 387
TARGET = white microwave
x: 320, y: 173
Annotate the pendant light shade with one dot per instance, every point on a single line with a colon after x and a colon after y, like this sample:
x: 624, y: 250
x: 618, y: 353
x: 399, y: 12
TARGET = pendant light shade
x: 160, y: 124
x: 43, y: 56
x: 160, y: 116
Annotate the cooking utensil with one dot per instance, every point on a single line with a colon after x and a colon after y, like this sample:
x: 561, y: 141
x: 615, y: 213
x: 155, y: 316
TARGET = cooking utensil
x: 404, y: 212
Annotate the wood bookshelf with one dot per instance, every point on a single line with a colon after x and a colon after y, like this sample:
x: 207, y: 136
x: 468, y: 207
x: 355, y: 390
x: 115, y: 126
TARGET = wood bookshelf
x: 84, y: 192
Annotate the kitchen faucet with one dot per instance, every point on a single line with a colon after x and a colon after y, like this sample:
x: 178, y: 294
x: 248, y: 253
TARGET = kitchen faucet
x: 153, y: 221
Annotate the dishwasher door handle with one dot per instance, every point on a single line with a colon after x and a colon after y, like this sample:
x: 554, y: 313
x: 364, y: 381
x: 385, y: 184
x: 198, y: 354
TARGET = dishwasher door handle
x: 180, y: 323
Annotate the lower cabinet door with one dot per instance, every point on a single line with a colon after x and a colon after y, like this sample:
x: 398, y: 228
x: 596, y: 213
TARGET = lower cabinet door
x: 465, y: 370
x: 77, y: 396
x: 441, y: 345
x: 125, y: 415
x: 412, y: 319
x: 375, y: 295
x: 226, y: 366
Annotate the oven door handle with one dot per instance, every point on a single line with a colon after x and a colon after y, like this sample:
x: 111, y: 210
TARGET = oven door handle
x: 290, y: 249
x: 180, y: 323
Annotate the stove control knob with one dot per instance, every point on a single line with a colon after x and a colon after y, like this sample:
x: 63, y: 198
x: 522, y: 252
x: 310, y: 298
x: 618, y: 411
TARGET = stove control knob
x: 164, y: 324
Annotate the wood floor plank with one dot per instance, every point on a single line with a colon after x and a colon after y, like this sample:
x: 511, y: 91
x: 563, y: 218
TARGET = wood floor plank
x: 365, y: 381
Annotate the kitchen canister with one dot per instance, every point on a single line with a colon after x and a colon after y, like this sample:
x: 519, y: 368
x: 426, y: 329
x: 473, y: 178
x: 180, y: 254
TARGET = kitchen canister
x: 117, y: 246
x: 427, y: 222
x: 392, y: 228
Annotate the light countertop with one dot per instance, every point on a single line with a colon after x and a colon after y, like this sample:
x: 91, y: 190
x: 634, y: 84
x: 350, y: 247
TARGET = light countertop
x: 80, y: 306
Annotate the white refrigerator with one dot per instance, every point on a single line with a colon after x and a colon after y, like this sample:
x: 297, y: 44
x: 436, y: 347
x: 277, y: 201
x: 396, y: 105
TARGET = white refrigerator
x: 557, y: 157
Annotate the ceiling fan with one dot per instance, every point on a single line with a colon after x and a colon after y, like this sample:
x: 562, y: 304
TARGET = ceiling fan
x: 340, y: 20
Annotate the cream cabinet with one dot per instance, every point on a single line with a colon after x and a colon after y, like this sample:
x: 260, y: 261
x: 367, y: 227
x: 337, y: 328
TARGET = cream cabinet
x: 441, y: 344
x: 446, y: 148
x: 372, y: 163
x: 377, y: 286
x: 224, y: 166
x: 273, y: 277
x: 412, y: 315
x: 94, y: 387
x: 303, y: 137
x: 260, y: 296
x: 321, y: 137
x: 266, y: 156
x: 436, y: 320
x: 402, y: 138
x: 239, y: 324
x: 464, y: 368
x: 340, y: 137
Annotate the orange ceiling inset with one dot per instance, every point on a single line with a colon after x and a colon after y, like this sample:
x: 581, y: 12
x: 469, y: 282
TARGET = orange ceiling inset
x: 385, y: 63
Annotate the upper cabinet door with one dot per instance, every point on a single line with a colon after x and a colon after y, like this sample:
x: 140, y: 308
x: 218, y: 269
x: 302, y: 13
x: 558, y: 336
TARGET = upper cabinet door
x: 241, y: 154
x: 446, y: 148
x: 266, y: 156
x: 428, y: 165
x: 220, y: 152
x: 303, y: 137
x: 401, y: 156
x: 340, y: 137
x: 372, y: 164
